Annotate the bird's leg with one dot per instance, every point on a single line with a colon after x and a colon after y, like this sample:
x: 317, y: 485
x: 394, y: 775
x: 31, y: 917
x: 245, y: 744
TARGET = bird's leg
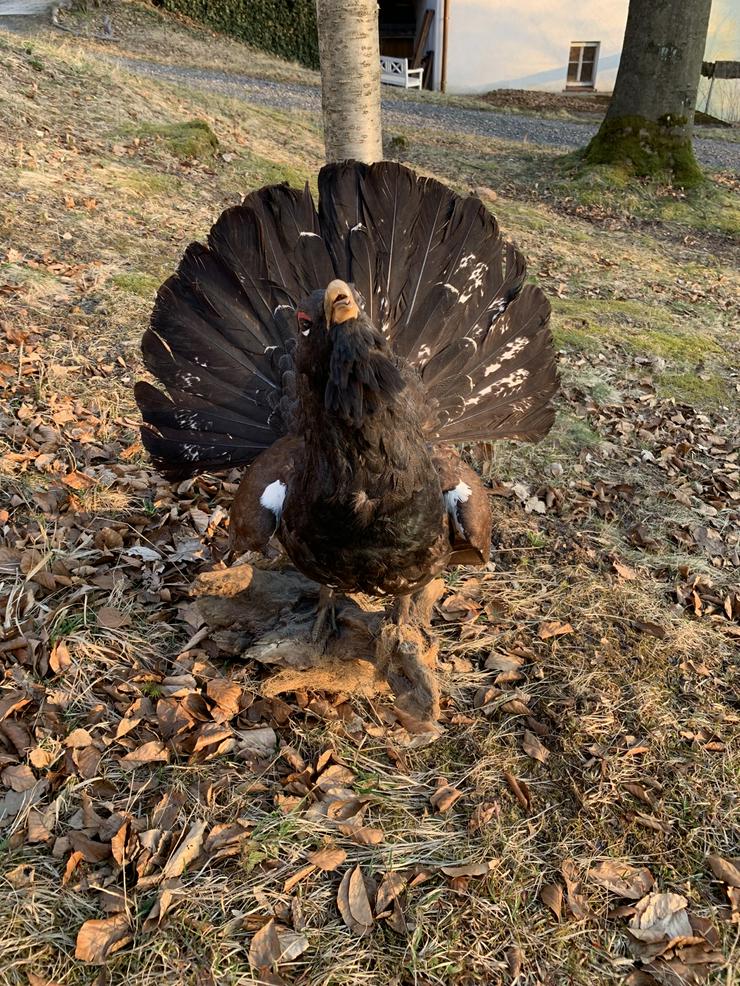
x: 416, y: 607
x: 326, y: 617
x: 401, y: 610
x: 406, y: 653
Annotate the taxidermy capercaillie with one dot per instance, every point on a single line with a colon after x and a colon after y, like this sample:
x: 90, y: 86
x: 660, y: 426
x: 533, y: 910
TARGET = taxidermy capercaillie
x: 340, y: 355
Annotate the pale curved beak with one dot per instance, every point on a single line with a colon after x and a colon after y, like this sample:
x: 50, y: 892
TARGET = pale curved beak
x: 339, y: 303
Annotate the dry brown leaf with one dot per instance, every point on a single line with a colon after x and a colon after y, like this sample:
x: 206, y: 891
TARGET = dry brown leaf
x: 353, y: 902
x: 20, y: 876
x: 467, y: 869
x: 264, y: 949
x: 77, y: 739
x: 733, y: 894
x: 533, y: 747
x: 482, y: 815
x: 292, y: 944
x: 390, y: 890
x: 170, y: 892
x: 227, y: 697
x: 640, y: 978
x: 152, y: 752
x: 516, y: 707
x: 60, y: 658
x: 640, y: 792
x: 726, y: 870
x: 362, y: 835
x: 624, y: 571
x: 514, y: 960
x: 505, y: 663
x: 11, y: 701
x: 458, y: 608
x: 554, y: 629
x: 328, y: 859
x: 294, y: 880
x: 654, y: 629
x: 96, y: 940
x: 445, y: 797
x: 660, y: 917
x: 18, y: 778
x: 41, y: 758
x: 574, y: 898
x: 226, y: 839
x: 260, y: 742
x: 118, y: 844
x: 38, y: 830
x: 622, y: 879
x: 72, y: 863
x: 212, y: 734
x: 78, y: 481
x: 188, y: 850
x: 520, y: 790
x: 15, y: 802
x: 552, y: 895
x: 111, y: 618
x: 90, y: 850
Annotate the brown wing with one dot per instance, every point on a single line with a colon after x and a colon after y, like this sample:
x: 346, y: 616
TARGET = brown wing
x: 468, y: 508
x: 252, y: 524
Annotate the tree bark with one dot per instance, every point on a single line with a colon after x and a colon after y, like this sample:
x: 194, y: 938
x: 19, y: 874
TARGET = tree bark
x: 350, y: 79
x: 651, y: 115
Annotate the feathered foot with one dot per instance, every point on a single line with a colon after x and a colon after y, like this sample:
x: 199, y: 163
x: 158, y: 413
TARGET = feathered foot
x: 326, y: 618
x: 416, y: 607
x: 405, y: 656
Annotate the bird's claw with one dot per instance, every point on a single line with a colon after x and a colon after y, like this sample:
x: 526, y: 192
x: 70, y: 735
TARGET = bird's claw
x: 325, y: 625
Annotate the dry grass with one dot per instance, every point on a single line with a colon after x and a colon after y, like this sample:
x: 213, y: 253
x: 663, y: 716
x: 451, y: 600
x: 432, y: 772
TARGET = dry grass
x: 97, y: 207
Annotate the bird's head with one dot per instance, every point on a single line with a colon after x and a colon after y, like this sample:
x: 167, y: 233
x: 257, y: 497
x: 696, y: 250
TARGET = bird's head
x: 340, y: 304
x: 321, y: 310
x: 341, y: 351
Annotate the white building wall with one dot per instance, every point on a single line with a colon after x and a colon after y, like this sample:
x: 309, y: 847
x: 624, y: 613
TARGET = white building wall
x: 504, y: 44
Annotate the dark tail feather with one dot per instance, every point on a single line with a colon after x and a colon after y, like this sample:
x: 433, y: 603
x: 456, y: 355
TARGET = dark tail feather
x: 444, y: 287
x: 437, y: 279
x: 223, y: 333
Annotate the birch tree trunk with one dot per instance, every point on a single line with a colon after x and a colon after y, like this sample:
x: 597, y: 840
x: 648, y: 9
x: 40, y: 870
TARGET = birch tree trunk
x: 350, y: 79
x: 651, y: 115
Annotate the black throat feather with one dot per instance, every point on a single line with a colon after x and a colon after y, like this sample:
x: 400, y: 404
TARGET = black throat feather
x: 363, y: 377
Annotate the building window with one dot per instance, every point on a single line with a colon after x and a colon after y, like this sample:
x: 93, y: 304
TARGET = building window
x: 582, y: 61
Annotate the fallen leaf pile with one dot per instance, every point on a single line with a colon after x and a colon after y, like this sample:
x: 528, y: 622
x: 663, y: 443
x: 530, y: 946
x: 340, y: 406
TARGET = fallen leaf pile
x: 162, y: 813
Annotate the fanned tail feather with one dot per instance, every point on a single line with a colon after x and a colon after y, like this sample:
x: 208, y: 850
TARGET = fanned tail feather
x: 435, y: 276
x: 445, y: 288
x: 223, y: 332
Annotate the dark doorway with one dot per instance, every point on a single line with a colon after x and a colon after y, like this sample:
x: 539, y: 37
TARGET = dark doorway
x: 397, y: 25
x: 407, y: 30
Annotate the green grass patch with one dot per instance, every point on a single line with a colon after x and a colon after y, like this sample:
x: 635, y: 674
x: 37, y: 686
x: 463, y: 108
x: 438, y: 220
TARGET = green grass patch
x: 689, y: 388
x: 142, y: 285
x: 613, y: 188
x: 639, y: 327
x: 572, y: 335
x: 255, y: 171
x: 193, y: 139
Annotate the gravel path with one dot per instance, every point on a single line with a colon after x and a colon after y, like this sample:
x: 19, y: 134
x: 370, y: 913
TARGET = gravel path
x: 407, y: 113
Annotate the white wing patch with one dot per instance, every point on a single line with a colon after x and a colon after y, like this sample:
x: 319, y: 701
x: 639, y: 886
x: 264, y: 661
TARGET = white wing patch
x: 273, y: 497
x: 460, y: 494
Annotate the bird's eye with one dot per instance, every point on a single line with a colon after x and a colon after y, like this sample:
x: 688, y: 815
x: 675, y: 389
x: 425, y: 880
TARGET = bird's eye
x: 304, y: 323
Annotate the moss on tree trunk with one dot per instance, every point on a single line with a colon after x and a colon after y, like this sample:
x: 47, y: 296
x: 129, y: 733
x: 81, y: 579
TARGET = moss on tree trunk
x: 647, y: 148
x: 650, y: 118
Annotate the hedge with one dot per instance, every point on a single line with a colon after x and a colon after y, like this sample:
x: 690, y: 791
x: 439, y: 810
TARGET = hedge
x: 284, y: 27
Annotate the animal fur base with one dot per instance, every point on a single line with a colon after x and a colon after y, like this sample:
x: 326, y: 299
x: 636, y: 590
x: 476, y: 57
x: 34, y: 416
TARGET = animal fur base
x: 267, y: 615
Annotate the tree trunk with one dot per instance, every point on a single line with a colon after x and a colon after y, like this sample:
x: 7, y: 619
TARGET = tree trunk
x: 350, y: 79
x: 651, y: 115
